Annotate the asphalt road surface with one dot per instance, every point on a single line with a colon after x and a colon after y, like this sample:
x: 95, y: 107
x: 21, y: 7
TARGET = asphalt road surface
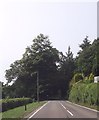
x: 62, y: 109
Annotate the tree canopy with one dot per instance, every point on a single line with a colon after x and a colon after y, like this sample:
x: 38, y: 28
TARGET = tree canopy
x: 55, y: 69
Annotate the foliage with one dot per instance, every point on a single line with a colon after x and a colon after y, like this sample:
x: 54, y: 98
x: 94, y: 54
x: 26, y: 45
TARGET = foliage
x: 85, y: 93
x: 87, y: 57
x: 15, y: 102
x: 96, y: 58
x: 77, y: 77
x: 40, y: 57
x: 1, y: 90
x: 55, y: 69
x: 19, y: 112
x: 91, y: 78
x: 67, y: 67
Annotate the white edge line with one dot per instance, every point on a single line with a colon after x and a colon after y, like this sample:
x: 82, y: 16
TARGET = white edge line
x: 38, y: 110
x: 69, y: 112
x: 83, y: 106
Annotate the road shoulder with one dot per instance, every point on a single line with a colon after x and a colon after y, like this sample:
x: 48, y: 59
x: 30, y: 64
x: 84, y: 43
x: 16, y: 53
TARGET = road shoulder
x: 83, y: 106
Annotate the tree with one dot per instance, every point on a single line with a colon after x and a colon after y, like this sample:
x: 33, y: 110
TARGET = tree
x: 41, y: 57
x: 95, y: 50
x: 87, y: 57
x: 67, y: 69
x: 85, y: 44
x: 84, y: 60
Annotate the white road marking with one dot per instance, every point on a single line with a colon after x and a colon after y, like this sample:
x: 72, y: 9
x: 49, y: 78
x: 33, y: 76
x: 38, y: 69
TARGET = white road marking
x: 38, y: 110
x: 66, y: 109
x: 69, y: 112
x: 83, y: 106
x: 62, y: 105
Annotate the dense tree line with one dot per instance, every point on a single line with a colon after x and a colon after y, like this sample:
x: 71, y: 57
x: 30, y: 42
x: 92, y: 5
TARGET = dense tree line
x: 55, y: 69
x: 87, y: 60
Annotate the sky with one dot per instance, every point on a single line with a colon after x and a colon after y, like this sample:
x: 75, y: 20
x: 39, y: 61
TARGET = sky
x: 65, y: 22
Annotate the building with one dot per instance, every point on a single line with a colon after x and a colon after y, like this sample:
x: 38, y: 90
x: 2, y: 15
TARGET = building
x: 96, y: 79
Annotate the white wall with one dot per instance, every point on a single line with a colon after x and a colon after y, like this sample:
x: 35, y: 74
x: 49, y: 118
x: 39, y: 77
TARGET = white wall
x: 96, y: 79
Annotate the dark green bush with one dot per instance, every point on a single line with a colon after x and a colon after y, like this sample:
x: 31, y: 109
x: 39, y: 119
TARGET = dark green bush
x: 16, y: 102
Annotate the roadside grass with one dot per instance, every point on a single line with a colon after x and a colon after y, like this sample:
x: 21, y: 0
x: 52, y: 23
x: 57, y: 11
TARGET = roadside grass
x: 89, y: 106
x: 19, y: 112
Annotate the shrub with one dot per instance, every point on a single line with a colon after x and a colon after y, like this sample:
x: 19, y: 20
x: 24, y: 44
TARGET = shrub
x: 12, y: 103
x: 78, y: 77
x: 85, y: 93
x: 91, y: 78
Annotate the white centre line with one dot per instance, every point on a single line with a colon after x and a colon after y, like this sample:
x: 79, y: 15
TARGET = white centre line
x: 62, y: 105
x: 66, y: 109
x: 69, y: 112
x: 38, y: 110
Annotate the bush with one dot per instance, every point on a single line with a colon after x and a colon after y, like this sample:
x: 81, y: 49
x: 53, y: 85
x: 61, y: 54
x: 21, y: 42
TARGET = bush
x: 91, y: 78
x: 77, y: 77
x: 85, y: 93
x: 16, y: 102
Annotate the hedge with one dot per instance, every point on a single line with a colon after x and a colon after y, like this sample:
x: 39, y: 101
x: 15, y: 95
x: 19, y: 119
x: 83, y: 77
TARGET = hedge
x: 16, y: 102
x: 85, y: 93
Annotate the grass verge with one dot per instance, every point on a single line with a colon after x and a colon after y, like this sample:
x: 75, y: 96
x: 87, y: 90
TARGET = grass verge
x: 19, y: 112
x: 89, y: 106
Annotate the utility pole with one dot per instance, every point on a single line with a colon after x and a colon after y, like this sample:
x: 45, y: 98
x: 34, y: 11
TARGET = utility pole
x: 38, y: 86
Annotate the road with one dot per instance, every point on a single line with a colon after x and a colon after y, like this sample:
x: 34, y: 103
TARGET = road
x: 62, y: 109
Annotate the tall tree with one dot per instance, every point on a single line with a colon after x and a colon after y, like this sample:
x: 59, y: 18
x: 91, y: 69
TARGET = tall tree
x: 87, y: 57
x: 84, y: 55
x: 95, y: 53
x: 67, y: 69
x: 39, y: 57
x: 85, y: 44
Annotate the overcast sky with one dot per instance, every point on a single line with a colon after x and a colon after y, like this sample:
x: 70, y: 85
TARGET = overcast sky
x: 66, y: 24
